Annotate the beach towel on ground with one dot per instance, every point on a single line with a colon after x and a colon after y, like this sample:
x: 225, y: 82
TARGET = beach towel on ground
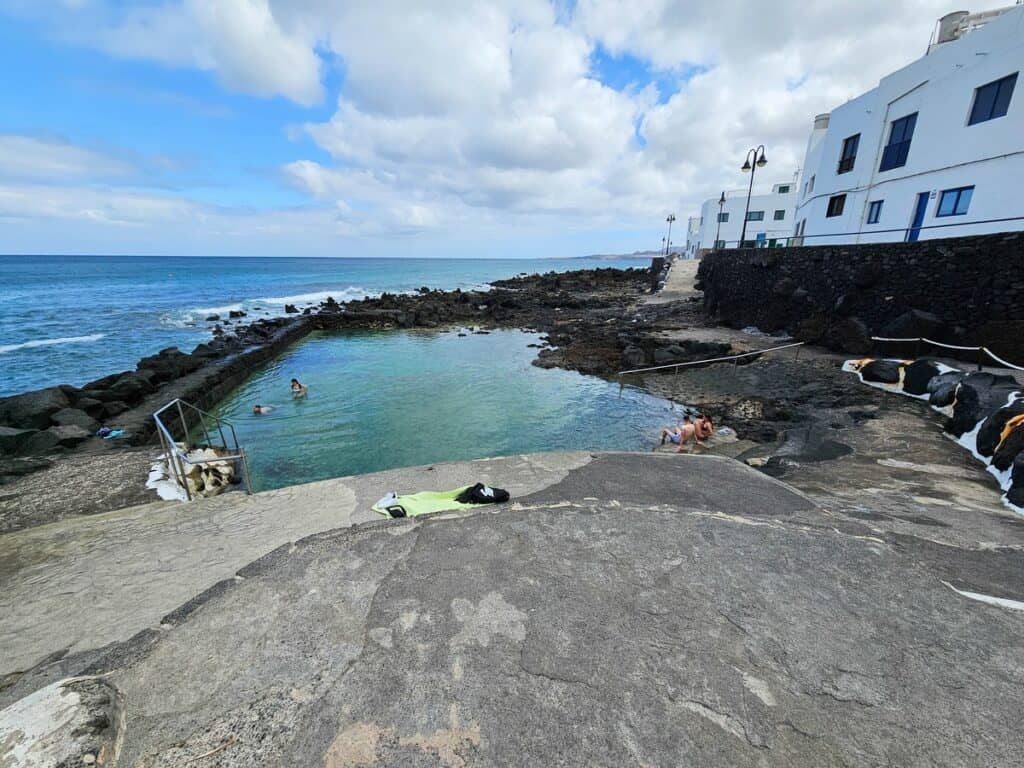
x: 425, y: 502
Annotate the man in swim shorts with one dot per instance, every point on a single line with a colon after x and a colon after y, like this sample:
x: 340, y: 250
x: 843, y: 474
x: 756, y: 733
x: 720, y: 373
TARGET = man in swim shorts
x: 680, y: 435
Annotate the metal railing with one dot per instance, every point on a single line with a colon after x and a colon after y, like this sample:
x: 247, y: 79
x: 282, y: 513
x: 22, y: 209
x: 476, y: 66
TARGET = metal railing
x: 178, y: 458
x: 917, y: 341
x: 783, y: 241
x: 734, y: 358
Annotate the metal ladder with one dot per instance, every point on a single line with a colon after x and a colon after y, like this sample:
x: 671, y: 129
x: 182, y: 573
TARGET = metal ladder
x: 178, y: 458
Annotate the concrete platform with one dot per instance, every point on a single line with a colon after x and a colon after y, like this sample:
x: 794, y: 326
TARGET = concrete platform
x: 633, y: 609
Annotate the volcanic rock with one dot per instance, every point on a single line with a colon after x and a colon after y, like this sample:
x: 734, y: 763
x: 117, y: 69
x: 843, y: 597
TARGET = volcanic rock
x: 850, y: 335
x: 991, y: 429
x: 13, y: 439
x: 914, y: 324
x: 978, y: 395
x: 882, y: 371
x: 942, y: 388
x: 32, y: 410
x: 291, y: 309
x: 67, y: 417
x: 917, y: 375
x: 234, y: 314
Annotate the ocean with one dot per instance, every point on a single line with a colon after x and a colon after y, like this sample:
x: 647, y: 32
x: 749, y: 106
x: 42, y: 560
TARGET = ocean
x: 73, y: 319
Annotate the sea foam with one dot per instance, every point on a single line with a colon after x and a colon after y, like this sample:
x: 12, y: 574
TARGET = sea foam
x: 51, y: 342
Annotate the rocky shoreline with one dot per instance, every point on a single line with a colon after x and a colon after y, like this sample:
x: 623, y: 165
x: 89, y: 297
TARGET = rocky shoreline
x: 787, y: 413
x: 583, y: 314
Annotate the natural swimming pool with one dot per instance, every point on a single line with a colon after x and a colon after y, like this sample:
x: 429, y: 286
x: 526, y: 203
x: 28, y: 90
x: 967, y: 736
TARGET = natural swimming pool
x: 379, y: 400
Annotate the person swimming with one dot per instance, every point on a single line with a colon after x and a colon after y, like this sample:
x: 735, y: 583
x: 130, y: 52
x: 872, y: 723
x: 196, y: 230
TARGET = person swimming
x: 297, y: 388
x: 260, y: 409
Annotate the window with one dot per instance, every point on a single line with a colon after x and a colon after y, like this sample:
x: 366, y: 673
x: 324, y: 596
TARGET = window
x: 723, y: 217
x: 992, y: 100
x: 955, y: 202
x: 784, y: 189
x: 780, y: 215
x: 702, y: 221
x: 812, y: 186
x: 849, y: 154
x: 875, y: 211
x: 719, y: 245
x: 835, y: 206
x: 755, y: 215
x: 900, y: 133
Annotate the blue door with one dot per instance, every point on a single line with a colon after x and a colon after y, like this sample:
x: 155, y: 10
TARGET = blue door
x: 915, y: 229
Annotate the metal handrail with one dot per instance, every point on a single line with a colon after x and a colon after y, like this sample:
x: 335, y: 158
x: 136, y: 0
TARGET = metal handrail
x: 801, y: 238
x: 177, y: 458
x: 714, y: 359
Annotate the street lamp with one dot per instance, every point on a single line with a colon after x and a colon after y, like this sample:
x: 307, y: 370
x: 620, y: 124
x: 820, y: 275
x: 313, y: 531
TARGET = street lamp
x: 668, y: 240
x: 759, y: 161
x: 718, y: 230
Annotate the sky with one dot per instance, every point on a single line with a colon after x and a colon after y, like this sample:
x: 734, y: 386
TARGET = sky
x: 509, y: 128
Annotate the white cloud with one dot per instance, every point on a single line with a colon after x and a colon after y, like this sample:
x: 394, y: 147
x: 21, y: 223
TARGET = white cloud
x: 463, y: 115
x: 40, y: 159
x: 241, y: 40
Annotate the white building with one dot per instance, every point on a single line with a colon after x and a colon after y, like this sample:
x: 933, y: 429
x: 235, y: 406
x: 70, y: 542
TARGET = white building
x: 769, y: 220
x: 939, y: 142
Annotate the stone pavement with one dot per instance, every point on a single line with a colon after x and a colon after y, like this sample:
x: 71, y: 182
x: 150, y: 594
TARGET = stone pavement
x: 637, y: 609
x: 85, y: 582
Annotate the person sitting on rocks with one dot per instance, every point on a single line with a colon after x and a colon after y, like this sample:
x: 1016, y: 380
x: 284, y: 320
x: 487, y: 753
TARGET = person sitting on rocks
x: 260, y: 409
x: 680, y: 434
x: 702, y: 429
x: 298, y: 389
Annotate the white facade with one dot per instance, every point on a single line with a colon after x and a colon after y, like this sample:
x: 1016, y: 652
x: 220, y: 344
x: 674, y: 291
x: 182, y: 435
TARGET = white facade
x: 967, y: 135
x: 770, y: 219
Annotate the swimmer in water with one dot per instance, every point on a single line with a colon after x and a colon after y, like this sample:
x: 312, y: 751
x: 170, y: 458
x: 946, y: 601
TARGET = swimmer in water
x: 298, y: 389
x: 259, y: 409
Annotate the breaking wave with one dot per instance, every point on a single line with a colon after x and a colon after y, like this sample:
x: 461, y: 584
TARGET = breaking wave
x: 51, y: 342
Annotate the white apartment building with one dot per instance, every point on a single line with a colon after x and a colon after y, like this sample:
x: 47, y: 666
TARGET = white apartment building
x: 939, y: 142
x: 769, y: 220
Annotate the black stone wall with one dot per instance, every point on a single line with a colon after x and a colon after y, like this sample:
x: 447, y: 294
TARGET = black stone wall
x: 965, y: 290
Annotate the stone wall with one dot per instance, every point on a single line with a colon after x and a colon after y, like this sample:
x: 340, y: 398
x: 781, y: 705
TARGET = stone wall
x: 966, y: 290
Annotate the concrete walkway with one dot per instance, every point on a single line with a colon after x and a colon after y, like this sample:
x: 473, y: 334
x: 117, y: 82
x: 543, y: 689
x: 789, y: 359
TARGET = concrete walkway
x: 679, y: 282
x: 82, y: 583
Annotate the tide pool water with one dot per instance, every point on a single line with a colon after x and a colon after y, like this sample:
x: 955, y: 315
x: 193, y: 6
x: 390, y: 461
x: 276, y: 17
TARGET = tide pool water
x: 379, y: 400
x: 73, y: 319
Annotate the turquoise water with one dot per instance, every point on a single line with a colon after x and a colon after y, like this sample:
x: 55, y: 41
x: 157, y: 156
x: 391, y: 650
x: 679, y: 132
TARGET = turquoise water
x: 73, y: 319
x: 379, y: 400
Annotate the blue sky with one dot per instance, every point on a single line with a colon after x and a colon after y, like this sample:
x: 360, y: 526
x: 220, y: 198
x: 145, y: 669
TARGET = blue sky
x: 504, y: 128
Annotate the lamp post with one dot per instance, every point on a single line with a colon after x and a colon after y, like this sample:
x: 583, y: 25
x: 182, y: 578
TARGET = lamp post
x: 718, y: 229
x: 668, y: 240
x: 755, y: 159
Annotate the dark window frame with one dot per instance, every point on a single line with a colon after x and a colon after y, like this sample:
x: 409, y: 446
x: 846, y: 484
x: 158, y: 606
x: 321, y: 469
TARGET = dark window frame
x: 957, y: 195
x: 836, y: 206
x: 784, y: 189
x: 897, y: 148
x: 776, y: 217
x: 723, y: 217
x: 755, y: 215
x: 875, y: 211
x: 848, y: 154
x: 992, y: 100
